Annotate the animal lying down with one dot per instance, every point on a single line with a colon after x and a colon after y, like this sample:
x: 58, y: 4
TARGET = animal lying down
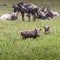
x: 44, y: 14
x: 11, y: 16
x: 30, y: 33
x: 54, y: 13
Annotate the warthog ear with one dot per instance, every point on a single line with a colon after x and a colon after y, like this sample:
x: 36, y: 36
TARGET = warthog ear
x: 36, y: 29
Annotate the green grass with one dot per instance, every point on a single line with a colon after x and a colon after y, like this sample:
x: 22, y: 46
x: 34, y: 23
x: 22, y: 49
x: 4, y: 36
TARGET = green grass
x: 13, y: 47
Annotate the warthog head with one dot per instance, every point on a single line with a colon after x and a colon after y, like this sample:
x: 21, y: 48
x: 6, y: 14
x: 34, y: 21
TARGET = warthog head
x: 47, y: 29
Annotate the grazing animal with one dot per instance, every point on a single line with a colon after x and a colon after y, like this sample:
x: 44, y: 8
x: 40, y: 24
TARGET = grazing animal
x: 11, y: 16
x: 26, y: 8
x: 47, y: 30
x: 30, y: 33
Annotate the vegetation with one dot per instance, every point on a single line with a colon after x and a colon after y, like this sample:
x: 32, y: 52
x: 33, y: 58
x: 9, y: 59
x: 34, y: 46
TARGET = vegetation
x: 13, y: 47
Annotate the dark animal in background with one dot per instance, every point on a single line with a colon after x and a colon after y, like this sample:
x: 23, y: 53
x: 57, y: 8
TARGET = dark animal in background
x: 48, y: 12
x: 46, y: 30
x: 44, y: 13
x: 30, y: 33
x: 26, y: 8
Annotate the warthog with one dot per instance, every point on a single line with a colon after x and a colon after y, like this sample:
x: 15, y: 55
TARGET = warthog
x: 47, y: 30
x: 30, y: 33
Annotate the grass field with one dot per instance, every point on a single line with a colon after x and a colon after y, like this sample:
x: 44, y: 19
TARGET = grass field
x: 13, y: 47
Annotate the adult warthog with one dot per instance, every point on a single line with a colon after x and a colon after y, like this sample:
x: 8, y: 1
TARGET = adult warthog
x: 30, y: 33
x: 26, y: 8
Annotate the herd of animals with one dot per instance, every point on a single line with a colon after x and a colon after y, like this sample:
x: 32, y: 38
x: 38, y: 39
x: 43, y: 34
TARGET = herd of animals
x: 29, y: 9
x: 35, y: 11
